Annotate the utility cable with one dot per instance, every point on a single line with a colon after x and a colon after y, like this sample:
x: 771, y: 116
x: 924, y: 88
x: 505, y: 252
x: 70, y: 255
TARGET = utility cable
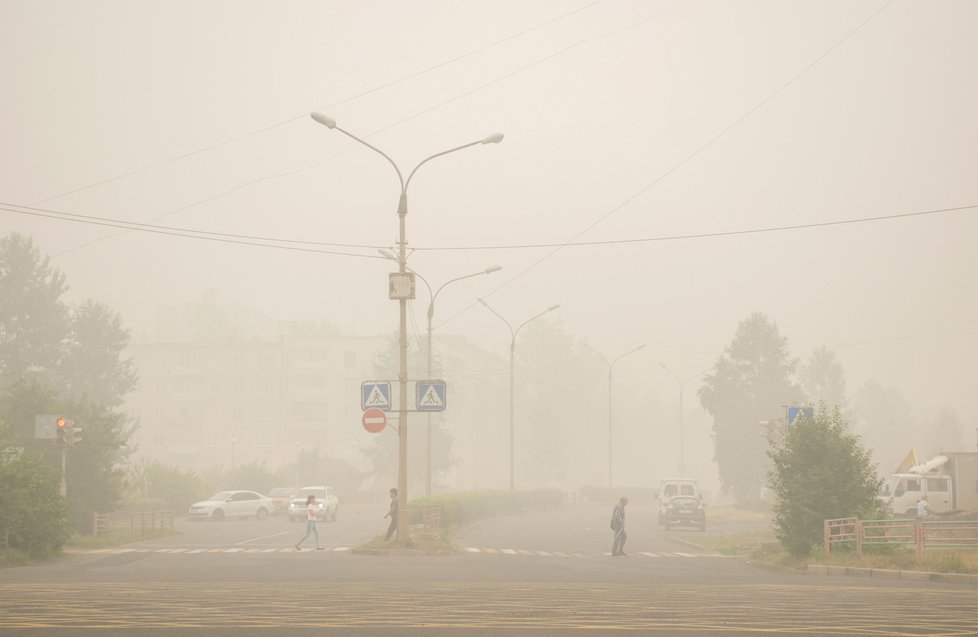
x: 329, y: 157
x: 334, y: 104
x: 687, y: 158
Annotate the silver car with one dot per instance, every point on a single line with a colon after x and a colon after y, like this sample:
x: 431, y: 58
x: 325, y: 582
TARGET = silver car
x: 227, y: 504
x: 325, y: 498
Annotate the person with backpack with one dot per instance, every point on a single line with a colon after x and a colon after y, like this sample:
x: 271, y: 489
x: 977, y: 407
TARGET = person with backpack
x: 618, y: 526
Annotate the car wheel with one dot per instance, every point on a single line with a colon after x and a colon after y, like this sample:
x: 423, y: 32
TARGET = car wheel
x: 262, y: 514
x: 217, y: 515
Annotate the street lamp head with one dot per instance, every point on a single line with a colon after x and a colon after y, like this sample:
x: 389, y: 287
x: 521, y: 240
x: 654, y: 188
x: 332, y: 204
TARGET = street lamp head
x: 552, y: 308
x: 387, y: 254
x: 493, y: 268
x: 495, y: 138
x: 325, y: 120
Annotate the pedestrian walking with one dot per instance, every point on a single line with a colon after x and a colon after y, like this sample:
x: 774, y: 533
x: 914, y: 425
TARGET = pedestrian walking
x: 392, y: 513
x: 923, y: 507
x: 618, y: 526
x: 312, y: 516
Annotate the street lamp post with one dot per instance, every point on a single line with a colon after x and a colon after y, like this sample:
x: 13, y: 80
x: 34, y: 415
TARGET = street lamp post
x: 402, y: 483
x: 512, y: 359
x: 611, y: 367
x: 431, y: 316
x: 682, y: 425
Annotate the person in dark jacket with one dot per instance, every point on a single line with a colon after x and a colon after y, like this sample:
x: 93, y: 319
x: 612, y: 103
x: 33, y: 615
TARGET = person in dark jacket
x: 392, y: 513
x: 618, y: 526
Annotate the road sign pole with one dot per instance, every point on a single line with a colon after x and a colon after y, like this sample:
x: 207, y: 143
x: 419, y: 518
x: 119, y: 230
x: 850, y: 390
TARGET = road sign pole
x: 64, y: 473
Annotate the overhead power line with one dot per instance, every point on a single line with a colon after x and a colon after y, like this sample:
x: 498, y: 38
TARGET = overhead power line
x: 177, y: 232
x: 305, y: 114
x: 263, y: 241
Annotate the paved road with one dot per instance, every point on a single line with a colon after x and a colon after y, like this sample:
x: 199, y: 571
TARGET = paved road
x: 542, y: 573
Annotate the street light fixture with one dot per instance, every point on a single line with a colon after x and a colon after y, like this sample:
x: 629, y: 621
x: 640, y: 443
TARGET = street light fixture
x: 682, y: 388
x: 402, y: 484
x: 431, y: 314
x: 611, y: 367
x: 512, y: 359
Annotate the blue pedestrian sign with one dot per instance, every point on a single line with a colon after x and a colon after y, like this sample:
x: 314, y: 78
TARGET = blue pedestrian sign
x: 794, y: 413
x: 376, y: 394
x: 431, y: 396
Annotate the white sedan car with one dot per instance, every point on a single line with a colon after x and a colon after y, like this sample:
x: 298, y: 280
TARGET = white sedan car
x: 227, y: 504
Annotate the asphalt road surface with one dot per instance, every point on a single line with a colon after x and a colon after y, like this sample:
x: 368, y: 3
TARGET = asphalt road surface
x: 539, y: 573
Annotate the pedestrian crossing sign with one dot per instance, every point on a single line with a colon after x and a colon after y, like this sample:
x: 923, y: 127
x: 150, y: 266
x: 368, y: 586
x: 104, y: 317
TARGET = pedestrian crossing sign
x: 431, y: 396
x: 375, y: 394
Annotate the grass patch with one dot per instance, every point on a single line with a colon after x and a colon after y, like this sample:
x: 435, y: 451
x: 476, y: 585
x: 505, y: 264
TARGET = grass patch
x: 13, y: 557
x: 426, y: 542
x: 115, y: 537
x: 762, y: 545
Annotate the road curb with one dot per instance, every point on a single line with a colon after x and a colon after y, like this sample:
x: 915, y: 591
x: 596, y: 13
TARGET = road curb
x: 920, y: 576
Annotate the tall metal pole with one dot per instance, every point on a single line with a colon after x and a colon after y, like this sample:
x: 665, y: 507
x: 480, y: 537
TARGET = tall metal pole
x: 402, y: 483
x: 64, y: 472
x: 610, y: 422
x: 512, y: 385
x: 431, y: 315
x: 682, y: 411
x: 611, y: 367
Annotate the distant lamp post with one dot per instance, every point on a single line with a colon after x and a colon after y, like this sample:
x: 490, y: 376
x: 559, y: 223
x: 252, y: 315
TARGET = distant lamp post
x: 431, y: 314
x: 512, y: 360
x: 682, y: 388
x: 402, y: 296
x: 611, y: 367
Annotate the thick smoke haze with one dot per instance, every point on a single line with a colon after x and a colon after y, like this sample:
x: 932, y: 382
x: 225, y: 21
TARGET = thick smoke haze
x: 643, y: 140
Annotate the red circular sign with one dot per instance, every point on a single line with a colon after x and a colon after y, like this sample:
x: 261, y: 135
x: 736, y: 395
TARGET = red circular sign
x: 374, y: 420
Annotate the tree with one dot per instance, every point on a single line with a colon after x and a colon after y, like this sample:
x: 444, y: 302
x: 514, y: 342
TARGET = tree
x: 33, y: 318
x: 821, y: 471
x: 750, y: 382
x: 946, y: 433
x: 824, y: 380
x: 31, y: 507
x: 885, y: 421
x: 55, y: 359
x: 92, y: 368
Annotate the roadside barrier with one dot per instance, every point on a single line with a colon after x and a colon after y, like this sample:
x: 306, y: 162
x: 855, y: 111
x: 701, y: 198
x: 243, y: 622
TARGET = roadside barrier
x: 138, y: 522
x: 921, y: 534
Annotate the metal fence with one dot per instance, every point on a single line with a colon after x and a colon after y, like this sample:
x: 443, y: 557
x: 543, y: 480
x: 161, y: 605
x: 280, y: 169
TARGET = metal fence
x: 139, y: 523
x: 921, y: 534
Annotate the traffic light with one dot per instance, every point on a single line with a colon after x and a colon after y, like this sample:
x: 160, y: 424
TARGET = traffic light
x: 73, y: 432
x: 61, y: 425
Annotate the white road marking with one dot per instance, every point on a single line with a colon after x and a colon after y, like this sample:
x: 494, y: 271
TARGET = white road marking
x: 544, y: 553
x: 507, y: 551
x: 255, y: 539
x: 470, y: 550
x: 649, y: 554
x: 233, y: 550
x: 342, y: 548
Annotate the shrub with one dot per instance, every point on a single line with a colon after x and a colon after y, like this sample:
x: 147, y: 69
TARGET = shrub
x: 31, y: 507
x: 462, y: 508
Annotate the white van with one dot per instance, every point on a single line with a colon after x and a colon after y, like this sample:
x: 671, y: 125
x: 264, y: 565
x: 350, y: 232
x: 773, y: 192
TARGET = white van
x: 675, y: 487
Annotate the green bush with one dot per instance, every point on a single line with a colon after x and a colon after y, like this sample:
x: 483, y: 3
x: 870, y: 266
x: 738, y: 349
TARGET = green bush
x: 31, y: 507
x: 821, y: 471
x: 463, y: 508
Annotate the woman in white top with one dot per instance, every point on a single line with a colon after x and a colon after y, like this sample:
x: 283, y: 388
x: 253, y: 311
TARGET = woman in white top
x: 312, y: 514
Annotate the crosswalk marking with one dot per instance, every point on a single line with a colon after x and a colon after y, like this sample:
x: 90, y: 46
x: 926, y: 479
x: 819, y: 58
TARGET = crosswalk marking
x: 343, y: 549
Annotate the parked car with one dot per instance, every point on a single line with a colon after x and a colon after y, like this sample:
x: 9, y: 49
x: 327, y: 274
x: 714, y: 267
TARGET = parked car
x: 281, y: 498
x: 325, y: 498
x: 239, y: 504
x: 683, y: 510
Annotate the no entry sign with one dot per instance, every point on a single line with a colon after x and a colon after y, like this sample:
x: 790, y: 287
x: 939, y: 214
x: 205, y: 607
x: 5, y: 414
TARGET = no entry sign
x: 374, y: 420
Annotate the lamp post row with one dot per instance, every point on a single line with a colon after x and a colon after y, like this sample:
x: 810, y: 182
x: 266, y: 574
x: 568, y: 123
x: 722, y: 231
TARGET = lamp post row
x: 402, y: 208
x: 401, y: 259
